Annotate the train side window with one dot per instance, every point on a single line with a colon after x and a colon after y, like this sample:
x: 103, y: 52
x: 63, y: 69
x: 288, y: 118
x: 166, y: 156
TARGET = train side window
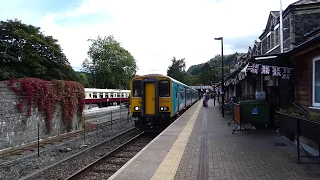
x: 181, y: 94
x: 164, y: 88
x: 177, y: 91
x: 136, y: 88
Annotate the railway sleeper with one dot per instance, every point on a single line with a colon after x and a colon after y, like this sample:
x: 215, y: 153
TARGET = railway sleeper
x: 119, y: 163
x: 105, y: 170
x: 113, y: 160
x: 122, y: 156
x: 133, y: 149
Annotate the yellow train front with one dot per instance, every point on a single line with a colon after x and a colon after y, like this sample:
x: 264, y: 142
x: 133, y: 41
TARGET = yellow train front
x: 155, y: 99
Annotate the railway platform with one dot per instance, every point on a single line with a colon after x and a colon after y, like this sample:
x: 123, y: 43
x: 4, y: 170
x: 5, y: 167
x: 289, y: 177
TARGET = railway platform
x: 200, y: 145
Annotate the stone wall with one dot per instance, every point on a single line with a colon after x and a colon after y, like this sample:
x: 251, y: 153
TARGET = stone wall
x: 17, y: 128
x: 305, y: 23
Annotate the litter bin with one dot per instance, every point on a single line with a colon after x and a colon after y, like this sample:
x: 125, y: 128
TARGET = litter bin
x: 255, y: 112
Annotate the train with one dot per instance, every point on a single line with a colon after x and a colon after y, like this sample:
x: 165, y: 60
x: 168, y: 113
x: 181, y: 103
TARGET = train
x: 156, y: 99
x: 106, y: 97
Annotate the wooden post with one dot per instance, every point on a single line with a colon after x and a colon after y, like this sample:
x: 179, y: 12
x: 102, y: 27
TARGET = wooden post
x: 38, y: 139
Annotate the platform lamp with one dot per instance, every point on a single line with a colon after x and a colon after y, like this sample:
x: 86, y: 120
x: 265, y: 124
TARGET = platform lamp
x: 214, y: 86
x: 222, y: 78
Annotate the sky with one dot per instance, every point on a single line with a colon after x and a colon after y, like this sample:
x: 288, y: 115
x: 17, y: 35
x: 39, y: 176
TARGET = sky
x: 153, y: 31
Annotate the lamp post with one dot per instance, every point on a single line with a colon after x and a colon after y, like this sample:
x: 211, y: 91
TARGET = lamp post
x: 214, y: 87
x: 222, y: 78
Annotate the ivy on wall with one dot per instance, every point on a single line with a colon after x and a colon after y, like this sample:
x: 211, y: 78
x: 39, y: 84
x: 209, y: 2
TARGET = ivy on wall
x: 47, y: 95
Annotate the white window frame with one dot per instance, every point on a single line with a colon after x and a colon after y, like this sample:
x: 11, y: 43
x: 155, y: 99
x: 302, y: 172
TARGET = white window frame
x: 313, y: 81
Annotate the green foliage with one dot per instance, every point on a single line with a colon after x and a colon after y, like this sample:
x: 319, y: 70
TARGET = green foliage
x: 205, y: 73
x: 109, y: 65
x: 26, y: 52
x: 315, y: 117
x: 177, y: 70
x: 296, y: 113
x: 83, y: 79
x: 290, y: 111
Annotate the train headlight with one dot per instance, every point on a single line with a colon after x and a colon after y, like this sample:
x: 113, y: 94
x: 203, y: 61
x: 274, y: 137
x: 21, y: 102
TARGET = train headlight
x: 164, y: 108
x: 137, y: 108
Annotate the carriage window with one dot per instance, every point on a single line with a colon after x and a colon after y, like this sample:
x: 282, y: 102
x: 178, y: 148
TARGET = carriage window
x: 176, y: 92
x: 164, y: 88
x: 136, y: 88
x: 181, y: 94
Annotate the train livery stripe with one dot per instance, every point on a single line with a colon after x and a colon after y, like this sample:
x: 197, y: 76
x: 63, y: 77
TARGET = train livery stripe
x: 170, y: 164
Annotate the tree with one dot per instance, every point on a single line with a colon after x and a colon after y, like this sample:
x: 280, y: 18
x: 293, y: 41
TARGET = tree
x: 26, y: 52
x: 177, y: 70
x: 207, y: 74
x: 109, y: 64
x: 83, y: 79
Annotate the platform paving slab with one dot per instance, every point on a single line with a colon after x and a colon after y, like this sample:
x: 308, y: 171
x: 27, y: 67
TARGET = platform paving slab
x: 240, y: 155
x: 144, y: 165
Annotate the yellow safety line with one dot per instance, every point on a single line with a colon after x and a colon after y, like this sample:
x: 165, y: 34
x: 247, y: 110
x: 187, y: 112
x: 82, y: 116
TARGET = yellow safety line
x: 169, y: 166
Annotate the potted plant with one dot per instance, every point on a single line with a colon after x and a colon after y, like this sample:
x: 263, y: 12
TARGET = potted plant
x: 291, y: 121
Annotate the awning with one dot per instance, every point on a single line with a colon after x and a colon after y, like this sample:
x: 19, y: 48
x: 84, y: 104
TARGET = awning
x: 256, y: 68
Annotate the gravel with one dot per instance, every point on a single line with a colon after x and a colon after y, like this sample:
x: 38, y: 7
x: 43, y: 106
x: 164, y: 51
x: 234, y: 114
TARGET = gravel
x: 109, y: 165
x: 78, y: 162
x: 16, y: 167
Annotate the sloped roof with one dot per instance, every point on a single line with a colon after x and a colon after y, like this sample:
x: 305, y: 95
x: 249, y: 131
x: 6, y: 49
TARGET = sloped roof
x: 304, y: 2
x: 276, y: 14
x: 272, y: 15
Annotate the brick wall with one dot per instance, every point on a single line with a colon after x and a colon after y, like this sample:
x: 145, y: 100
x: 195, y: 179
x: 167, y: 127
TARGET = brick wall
x: 18, y: 129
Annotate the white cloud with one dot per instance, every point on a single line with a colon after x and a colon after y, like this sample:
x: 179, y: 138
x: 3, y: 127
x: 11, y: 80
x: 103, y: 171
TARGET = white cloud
x: 155, y: 31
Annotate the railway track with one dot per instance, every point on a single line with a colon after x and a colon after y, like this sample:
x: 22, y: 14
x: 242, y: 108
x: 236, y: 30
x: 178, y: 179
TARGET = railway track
x: 50, y: 141
x: 110, y: 162
x: 73, y: 163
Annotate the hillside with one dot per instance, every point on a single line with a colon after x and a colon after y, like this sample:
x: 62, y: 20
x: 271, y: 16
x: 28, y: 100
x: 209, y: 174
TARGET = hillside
x: 205, y: 73
x: 229, y: 61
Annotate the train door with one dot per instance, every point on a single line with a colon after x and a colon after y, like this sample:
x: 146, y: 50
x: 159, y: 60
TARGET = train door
x: 178, y: 97
x: 150, y: 98
x: 185, y: 97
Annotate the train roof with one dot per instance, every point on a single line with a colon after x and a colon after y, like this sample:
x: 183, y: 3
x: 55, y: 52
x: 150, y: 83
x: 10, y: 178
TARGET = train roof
x: 161, y: 75
x: 104, y: 90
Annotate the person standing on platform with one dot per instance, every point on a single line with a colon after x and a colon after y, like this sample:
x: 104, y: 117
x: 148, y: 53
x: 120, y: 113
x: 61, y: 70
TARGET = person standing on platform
x: 207, y: 98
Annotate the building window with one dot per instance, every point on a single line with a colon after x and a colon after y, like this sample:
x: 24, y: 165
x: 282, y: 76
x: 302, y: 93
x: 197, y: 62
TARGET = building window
x: 272, y: 40
x: 277, y: 36
x: 316, y: 82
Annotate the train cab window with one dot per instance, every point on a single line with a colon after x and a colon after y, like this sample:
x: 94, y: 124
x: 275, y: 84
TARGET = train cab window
x: 94, y: 95
x: 164, y: 88
x: 136, y: 88
x: 101, y: 96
